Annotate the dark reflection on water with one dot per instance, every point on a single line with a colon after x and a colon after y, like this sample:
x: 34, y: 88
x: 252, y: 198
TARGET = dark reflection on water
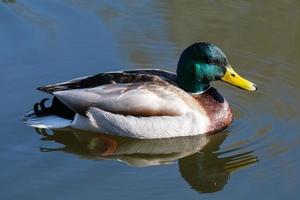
x: 135, y: 152
x: 8, y: 1
x: 209, y: 171
x: 201, y: 164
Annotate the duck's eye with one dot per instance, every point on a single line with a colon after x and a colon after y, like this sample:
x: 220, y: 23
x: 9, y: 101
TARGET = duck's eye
x: 233, y: 75
x: 210, y: 60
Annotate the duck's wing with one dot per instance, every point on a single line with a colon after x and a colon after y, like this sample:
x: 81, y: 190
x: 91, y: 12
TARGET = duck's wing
x: 154, y: 97
x: 130, y: 76
x: 165, y: 75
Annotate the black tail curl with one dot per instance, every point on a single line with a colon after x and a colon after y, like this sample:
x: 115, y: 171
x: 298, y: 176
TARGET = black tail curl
x: 57, y: 108
x: 40, y: 109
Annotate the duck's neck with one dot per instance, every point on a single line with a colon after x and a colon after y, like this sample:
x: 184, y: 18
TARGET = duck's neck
x: 192, y: 77
x: 191, y: 84
x: 193, y: 88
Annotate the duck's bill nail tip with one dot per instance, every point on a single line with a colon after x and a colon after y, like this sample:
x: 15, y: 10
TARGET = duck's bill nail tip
x: 255, y: 87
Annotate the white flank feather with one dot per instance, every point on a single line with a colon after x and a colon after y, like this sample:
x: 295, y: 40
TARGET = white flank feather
x: 190, y: 123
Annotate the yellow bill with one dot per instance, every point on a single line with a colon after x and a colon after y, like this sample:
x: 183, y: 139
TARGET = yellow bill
x: 233, y: 78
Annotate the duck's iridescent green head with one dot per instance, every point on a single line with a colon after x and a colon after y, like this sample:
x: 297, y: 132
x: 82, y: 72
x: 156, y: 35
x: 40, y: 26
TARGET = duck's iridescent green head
x: 201, y: 63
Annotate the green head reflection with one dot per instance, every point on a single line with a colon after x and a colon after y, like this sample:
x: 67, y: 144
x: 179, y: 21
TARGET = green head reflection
x: 209, y: 170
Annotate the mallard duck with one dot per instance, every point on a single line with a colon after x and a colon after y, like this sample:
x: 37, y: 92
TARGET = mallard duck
x: 145, y: 103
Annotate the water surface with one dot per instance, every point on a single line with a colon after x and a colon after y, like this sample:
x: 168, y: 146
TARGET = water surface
x: 45, y: 42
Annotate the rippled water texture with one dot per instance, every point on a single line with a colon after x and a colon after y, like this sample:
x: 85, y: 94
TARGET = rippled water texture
x: 257, y: 157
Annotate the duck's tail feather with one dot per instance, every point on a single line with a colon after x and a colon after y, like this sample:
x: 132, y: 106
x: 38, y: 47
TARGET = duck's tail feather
x: 47, y: 122
x: 40, y: 109
x: 56, y: 108
x: 58, y: 115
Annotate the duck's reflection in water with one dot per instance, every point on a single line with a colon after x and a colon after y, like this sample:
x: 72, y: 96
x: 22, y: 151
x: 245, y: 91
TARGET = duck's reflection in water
x: 209, y: 170
x: 201, y: 164
x: 135, y: 152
